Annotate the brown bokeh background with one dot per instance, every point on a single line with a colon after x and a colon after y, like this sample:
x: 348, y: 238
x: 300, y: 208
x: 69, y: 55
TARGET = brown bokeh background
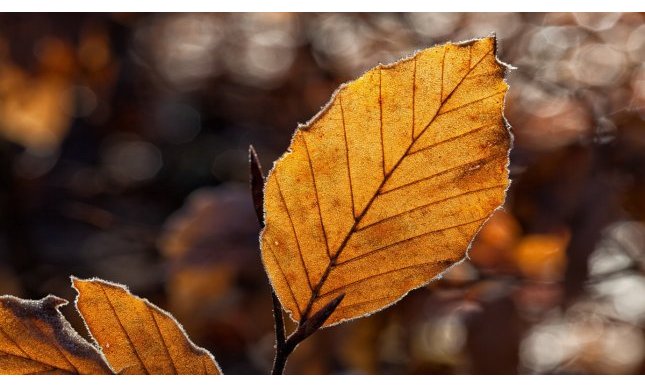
x: 123, y: 155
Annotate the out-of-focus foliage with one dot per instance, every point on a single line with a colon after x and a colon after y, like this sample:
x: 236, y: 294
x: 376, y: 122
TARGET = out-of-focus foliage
x: 110, y: 122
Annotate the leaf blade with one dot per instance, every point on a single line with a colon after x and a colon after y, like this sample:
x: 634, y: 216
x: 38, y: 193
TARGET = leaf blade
x: 404, y: 158
x: 136, y: 336
x: 35, y: 338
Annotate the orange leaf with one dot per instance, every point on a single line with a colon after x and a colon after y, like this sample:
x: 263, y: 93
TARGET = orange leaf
x: 35, y: 338
x: 386, y: 187
x: 136, y: 336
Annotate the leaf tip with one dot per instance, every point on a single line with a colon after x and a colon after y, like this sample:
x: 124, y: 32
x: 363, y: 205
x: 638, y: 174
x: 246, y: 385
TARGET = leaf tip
x: 79, y: 283
x: 53, y: 301
x: 49, y: 302
x: 74, y: 280
x: 252, y: 152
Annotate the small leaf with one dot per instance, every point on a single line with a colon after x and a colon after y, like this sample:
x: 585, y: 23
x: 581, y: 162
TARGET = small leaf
x: 35, y: 338
x: 136, y: 336
x: 385, y: 188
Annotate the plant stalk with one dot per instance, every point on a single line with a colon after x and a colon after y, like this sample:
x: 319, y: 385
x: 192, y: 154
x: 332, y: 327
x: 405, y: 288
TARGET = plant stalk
x: 307, y: 326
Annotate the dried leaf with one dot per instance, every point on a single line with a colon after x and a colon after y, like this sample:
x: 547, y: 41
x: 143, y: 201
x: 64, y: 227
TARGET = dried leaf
x: 136, y: 336
x: 386, y: 187
x: 35, y: 338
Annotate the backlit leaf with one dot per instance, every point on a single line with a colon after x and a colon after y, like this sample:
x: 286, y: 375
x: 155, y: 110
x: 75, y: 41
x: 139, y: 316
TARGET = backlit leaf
x: 136, y: 336
x: 386, y: 187
x: 35, y: 338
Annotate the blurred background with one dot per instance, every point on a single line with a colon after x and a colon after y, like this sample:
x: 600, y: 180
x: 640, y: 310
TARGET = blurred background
x: 123, y: 155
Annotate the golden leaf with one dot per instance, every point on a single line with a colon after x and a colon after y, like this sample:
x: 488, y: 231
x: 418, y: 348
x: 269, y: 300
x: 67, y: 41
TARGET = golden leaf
x: 35, y: 338
x: 386, y: 187
x: 136, y: 336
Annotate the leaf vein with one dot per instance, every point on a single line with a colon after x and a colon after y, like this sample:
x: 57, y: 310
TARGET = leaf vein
x: 127, y: 335
x: 54, y: 344
x: 472, y: 102
x: 443, y: 65
x: 364, y: 255
x: 275, y: 258
x: 286, y: 207
x: 414, y: 96
x: 163, y: 341
x: 429, y: 205
x: 475, y: 76
x: 26, y: 355
x: 445, y: 171
x: 356, y: 304
x: 356, y: 282
x: 462, y: 135
x: 349, y: 173
x: 13, y: 341
x: 443, y: 101
x: 313, y: 179
x: 380, y: 104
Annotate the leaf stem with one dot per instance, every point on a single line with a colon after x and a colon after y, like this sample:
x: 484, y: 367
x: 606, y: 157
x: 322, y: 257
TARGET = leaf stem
x: 284, y: 346
x: 282, y: 350
x: 280, y: 337
x: 305, y: 329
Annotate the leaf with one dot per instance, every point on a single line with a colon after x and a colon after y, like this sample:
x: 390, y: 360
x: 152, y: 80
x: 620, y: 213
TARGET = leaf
x: 136, y: 336
x: 386, y: 187
x: 35, y: 338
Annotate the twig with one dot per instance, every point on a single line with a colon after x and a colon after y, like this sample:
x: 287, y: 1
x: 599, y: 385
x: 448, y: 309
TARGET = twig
x: 284, y: 346
x: 257, y: 185
x: 305, y: 329
x: 279, y: 322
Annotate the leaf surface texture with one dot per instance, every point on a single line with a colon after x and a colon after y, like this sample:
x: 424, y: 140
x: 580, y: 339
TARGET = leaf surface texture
x: 386, y: 187
x: 136, y: 336
x: 35, y: 338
